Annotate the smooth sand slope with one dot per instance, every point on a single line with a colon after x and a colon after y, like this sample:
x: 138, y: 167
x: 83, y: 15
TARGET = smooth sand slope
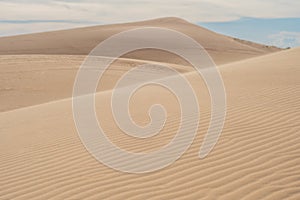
x: 81, y: 41
x: 256, y: 157
x: 27, y: 80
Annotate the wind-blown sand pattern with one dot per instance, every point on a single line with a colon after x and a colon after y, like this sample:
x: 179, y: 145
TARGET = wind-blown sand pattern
x: 256, y: 157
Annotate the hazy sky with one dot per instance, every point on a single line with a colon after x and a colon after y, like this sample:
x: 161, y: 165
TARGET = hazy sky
x: 282, y: 32
x: 26, y: 16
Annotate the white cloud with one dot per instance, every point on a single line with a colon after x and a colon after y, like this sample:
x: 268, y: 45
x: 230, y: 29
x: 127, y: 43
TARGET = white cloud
x: 120, y: 10
x: 285, y: 39
x: 116, y: 11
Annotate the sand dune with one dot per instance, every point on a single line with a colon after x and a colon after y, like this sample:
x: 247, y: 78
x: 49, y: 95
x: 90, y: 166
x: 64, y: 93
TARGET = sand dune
x: 257, y: 156
x: 39, y: 68
x: 81, y: 41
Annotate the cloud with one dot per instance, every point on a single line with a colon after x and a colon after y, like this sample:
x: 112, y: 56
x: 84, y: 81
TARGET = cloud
x: 118, y: 11
x: 285, y: 39
x: 110, y: 11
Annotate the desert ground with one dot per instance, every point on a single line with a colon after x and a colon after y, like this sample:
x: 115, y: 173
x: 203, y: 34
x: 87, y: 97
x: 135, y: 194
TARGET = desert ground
x: 42, y: 157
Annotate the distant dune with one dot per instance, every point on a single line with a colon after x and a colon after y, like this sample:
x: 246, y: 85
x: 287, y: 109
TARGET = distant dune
x: 81, y: 41
x: 42, y: 157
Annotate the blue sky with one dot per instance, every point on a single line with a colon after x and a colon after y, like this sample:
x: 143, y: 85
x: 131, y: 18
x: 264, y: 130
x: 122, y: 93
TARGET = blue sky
x: 273, y: 22
x: 282, y: 32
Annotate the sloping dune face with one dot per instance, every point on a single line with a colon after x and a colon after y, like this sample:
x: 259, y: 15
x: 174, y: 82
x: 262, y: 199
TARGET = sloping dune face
x: 256, y: 157
x: 81, y: 41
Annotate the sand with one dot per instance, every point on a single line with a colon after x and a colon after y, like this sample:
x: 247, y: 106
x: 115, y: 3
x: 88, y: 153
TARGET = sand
x: 256, y: 157
x: 81, y: 41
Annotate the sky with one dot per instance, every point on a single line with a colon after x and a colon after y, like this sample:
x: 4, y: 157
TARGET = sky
x: 281, y: 32
x: 272, y: 22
